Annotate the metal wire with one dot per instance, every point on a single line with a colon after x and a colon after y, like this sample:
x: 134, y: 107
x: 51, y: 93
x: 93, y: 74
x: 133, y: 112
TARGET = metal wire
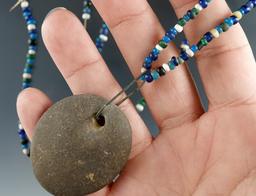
x: 16, y: 5
x: 124, y: 90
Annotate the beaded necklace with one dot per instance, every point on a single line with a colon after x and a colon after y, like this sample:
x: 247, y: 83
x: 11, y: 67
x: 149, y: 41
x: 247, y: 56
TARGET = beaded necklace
x: 32, y: 49
x: 122, y: 140
x: 188, y: 51
x: 149, y: 75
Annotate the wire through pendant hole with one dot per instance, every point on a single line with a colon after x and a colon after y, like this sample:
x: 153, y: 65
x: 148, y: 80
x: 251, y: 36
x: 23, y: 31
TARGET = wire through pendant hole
x: 100, y: 120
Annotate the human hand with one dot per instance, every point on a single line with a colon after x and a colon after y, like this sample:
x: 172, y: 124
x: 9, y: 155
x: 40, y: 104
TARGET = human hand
x: 196, y: 153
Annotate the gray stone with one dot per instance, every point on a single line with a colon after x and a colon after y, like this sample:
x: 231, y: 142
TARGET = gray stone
x: 72, y: 155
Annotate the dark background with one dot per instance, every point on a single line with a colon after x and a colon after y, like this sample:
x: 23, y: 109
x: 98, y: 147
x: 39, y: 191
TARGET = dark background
x: 16, y: 177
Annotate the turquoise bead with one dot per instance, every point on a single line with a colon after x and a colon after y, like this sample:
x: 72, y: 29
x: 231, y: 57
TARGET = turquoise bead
x: 171, y: 65
x: 155, y: 75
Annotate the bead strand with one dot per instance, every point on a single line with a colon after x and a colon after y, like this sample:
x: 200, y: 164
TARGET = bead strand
x: 102, y: 38
x: 189, y: 51
x: 87, y: 5
x: 30, y: 61
x: 163, y: 43
x: 104, y: 31
x: 172, y: 33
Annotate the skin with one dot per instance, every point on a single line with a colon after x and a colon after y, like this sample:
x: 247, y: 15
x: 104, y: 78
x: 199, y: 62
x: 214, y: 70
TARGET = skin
x: 196, y: 153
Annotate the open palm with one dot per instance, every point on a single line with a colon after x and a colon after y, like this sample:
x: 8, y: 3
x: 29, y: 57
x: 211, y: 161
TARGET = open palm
x: 196, y: 153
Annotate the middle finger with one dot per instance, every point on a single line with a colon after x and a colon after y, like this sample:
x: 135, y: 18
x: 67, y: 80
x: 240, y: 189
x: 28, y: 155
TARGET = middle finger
x: 173, y: 99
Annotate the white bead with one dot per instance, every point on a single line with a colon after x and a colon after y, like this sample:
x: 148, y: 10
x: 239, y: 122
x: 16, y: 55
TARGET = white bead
x: 25, y: 151
x: 20, y: 126
x: 31, y: 27
x: 86, y: 16
x: 27, y: 76
x: 24, y: 4
x: 238, y: 14
x: 180, y: 60
x: 190, y: 52
x: 103, y: 37
x: 215, y: 33
x: 143, y: 70
x: 158, y: 47
x: 198, y: 7
x: 166, y: 67
x: 140, y: 107
x: 184, y: 46
x: 178, y: 28
x: 31, y: 52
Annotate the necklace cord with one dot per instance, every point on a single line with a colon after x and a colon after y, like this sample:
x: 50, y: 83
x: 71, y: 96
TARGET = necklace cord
x: 124, y: 90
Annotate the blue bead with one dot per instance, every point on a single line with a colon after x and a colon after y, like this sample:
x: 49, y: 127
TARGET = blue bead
x: 208, y: 36
x: 190, y: 14
x: 203, y: 3
x: 147, y: 62
x: 27, y: 12
x: 104, y: 31
x: 250, y: 4
x: 27, y: 9
x: 254, y: 2
x: 194, y: 48
x: 153, y: 56
x: 186, y: 17
x: 33, y: 35
x: 184, y: 56
x: 245, y: 9
x: 171, y: 33
x: 166, y: 39
x: 234, y: 19
x: 148, y: 77
x: 21, y: 131
x: 25, y: 85
x: 219, y: 29
x: 23, y: 136
x: 31, y: 21
x: 30, y: 61
x: 87, y: 10
x: 229, y: 21
x: 171, y: 65
x: 155, y: 75
x: 174, y: 61
x: 155, y: 51
x: 32, y: 48
x: 27, y: 70
x: 185, y: 41
x: 104, y: 25
x: 25, y: 146
x: 143, y: 77
x: 30, y: 17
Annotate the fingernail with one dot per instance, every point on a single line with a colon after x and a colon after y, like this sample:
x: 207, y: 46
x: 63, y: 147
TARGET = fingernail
x: 53, y: 10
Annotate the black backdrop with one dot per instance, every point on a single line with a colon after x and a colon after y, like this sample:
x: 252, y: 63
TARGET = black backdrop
x: 16, y: 176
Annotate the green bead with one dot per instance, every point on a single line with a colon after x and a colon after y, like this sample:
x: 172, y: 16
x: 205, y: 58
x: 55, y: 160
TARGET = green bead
x: 29, y: 65
x: 224, y: 27
x: 27, y: 80
x: 31, y: 56
x: 142, y: 102
x: 203, y: 42
x: 195, y: 12
x: 162, y: 44
x: 182, y: 22
x: 172, y: 66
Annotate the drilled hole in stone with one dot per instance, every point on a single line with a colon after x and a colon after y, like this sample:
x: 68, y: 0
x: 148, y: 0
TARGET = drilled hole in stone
x: 100, y: 120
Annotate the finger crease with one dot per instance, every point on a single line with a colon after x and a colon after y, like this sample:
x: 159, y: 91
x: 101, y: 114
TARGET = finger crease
x: 185, y: 5
x: 90, y: 63
x: 219, y: 50
x: 128, y: 17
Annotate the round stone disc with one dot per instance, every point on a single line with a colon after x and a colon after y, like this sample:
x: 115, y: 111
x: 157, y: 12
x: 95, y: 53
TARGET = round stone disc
x: 73, y: 154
